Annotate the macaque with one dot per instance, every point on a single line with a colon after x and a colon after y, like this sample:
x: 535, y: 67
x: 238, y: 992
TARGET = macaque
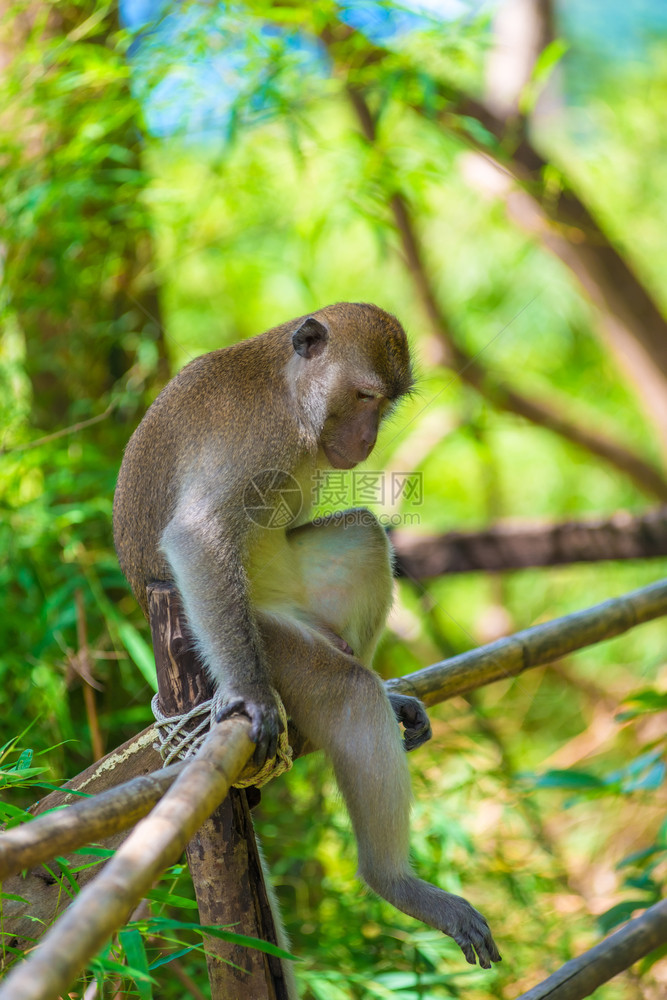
x: 238, y: 435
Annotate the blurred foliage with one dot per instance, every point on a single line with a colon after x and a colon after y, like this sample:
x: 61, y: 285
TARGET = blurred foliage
x: 173, y: 188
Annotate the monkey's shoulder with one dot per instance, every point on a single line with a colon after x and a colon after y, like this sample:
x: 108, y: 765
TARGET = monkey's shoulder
x: 250, y: 369
x: 207, y: 397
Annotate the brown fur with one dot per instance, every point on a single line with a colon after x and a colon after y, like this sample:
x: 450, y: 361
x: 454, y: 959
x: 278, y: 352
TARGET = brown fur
x: 287, y: 607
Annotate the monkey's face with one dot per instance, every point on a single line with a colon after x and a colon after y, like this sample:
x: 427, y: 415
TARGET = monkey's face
x: 349, y: 435
x: 352, y: 365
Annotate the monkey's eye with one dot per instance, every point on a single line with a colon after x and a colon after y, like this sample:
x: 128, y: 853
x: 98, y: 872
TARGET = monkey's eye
x: 366, y: 396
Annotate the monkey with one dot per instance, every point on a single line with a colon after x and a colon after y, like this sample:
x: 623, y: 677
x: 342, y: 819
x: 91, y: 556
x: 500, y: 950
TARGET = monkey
x: 293, y: 605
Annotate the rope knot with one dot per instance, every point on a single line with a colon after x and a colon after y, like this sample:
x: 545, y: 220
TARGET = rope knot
x: 181, y: 736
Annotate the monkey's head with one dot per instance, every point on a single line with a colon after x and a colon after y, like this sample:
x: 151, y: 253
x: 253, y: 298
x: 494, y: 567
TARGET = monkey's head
x: 355, y: 362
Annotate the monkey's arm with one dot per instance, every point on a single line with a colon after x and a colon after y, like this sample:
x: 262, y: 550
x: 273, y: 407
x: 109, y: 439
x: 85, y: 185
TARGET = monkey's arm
x: 411, y: 712
x: 204, y: 553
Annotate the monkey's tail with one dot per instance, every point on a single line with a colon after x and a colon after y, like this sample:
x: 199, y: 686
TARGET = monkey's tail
x: 282, y: 938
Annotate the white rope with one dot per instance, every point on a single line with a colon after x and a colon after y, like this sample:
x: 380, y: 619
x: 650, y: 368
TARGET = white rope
x: 178, y: 739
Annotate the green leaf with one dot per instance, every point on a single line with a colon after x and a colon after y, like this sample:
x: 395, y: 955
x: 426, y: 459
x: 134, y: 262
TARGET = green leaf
x: 662, y: 834
x: 132, y: 944
x: 643, y: 703
x: 12, y: 814
x: 549, y: 58
x: 24, y: 761
x: 652, y: 958
x: 98, y: 852
x: 164, y: 896
x: 174, y: 954
x: 577, y: 780
x: 636, y: 856
x: 111, y: 965
x: 67, y: 872
x: 139, y: 650
x: 643, y: 882
x: 51, y: 787
x: 544, y: 66
x: 620, y: 913
x: 160, y: 924
x: 478, y: 132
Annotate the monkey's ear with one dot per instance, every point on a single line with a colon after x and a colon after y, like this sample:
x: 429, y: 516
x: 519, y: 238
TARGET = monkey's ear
x: 310, y: 339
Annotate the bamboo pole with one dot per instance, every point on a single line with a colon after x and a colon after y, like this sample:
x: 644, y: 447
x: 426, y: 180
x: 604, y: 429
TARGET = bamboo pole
x: 103, y: 905
x: 155, y: 843
x: 581, y: 976
x: 35, y: 897
x: 84, y: 822
x: 534, y: 646
x: 223, y: 857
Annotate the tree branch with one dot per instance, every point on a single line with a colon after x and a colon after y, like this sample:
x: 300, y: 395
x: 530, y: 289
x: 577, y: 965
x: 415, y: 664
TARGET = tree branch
x: 517, y: 546
x: 632, y: 322
x: 609, y: 278
x: 470, y: 368
x: 63, y: 432
x: 580, y: 977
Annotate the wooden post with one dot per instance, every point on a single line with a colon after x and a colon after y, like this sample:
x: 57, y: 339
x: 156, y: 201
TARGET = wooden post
x: 223, y: 856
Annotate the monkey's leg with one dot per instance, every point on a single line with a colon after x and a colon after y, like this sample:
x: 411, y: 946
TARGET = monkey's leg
x: 344, y: 564
x: 341, y: 706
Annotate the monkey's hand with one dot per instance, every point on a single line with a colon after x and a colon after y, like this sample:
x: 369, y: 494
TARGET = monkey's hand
x: 260, y: 707
x: 411, y: 712
x: 470, y: 931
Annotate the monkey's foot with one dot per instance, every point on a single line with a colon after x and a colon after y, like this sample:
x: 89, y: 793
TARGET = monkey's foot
x: 411, y: 712
x: 448, y: 913
x: 471, y: 932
